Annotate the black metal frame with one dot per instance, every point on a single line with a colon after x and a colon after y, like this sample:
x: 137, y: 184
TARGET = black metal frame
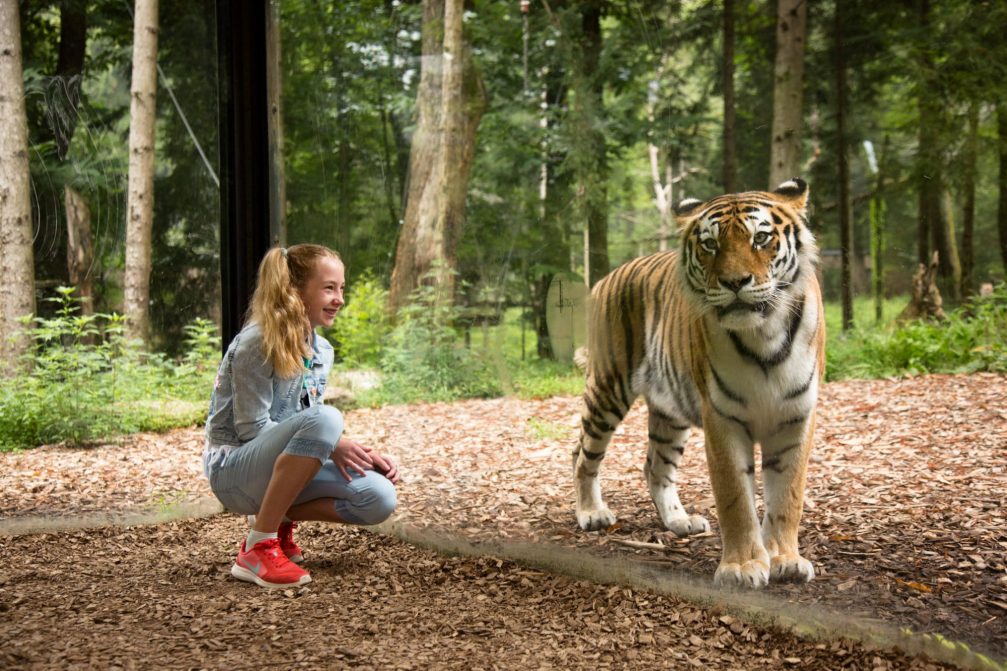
x: 244, y: 154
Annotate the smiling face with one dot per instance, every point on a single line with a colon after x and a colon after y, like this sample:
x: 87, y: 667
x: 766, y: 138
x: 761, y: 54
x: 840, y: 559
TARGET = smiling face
x: 742, y: 253
x: 322, y: 294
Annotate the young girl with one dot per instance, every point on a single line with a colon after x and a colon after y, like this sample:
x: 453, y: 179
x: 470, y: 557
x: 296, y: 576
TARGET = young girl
x: 272, y: 449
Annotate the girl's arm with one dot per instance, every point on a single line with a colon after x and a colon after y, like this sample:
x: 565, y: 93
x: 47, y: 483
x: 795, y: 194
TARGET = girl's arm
x: 252, y: 384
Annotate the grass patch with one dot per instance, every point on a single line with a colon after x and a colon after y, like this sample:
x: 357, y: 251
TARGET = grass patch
x: 973, y: 338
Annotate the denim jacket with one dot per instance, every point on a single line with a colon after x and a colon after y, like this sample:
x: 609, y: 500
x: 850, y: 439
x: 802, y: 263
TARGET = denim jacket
x: 249, y: 398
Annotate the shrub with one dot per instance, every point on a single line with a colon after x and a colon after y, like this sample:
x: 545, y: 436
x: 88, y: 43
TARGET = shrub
x: 362, y: 327
x: 425, y: 360
x: 84, y: 381
x: 973, y: 338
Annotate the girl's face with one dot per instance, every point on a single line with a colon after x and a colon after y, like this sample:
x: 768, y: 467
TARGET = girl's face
x: 323, y: 293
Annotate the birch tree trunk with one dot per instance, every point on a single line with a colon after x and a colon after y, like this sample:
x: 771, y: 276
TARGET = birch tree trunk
x: 443, y: 148
x: 730, y: 174
x: 277, y: 171
x: 17, y: 266
x: 788, y: 75
x: 140, y: 194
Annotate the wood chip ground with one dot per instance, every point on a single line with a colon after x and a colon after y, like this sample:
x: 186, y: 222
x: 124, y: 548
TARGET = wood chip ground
x: 905, y: 523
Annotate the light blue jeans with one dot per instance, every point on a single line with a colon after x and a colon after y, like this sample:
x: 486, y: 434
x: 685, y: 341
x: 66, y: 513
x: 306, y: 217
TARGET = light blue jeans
x: 239, y: 476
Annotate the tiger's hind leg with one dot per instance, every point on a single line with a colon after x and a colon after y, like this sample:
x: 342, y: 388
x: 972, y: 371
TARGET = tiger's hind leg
x: 667, y: 445
x: 602, y: 414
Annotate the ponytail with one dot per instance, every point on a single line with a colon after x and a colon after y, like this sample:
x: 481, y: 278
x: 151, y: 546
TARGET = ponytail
x: 277, y: 306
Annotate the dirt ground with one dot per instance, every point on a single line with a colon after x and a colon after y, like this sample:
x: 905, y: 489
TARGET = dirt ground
x: 905, y: 523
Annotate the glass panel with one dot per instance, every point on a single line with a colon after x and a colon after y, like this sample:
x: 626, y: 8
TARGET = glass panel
x: 77, y: 60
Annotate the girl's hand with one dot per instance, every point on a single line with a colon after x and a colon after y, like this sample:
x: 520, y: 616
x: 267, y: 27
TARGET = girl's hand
x: 352, y: 455
x: 391, y: 472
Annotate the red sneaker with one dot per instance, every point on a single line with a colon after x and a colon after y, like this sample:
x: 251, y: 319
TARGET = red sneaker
x: 287, y: 544
x: 267, y: 566
x: 286, y: 535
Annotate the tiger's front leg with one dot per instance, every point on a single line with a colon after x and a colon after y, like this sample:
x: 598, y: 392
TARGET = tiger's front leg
x: 730, y: 453
x: 784, y: 466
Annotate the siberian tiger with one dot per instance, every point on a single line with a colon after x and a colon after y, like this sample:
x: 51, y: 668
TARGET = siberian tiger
x: 726, y: 334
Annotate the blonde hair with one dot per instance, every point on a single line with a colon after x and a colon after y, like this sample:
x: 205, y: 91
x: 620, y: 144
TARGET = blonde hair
x: 277, y: 306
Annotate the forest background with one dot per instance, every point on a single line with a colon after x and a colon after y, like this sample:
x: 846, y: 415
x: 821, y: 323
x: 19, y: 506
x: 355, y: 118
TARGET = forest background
x: 462, y: 155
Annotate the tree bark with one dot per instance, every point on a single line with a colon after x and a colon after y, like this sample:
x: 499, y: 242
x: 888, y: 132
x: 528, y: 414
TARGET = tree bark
x: 69, y: 67
x: 730, y: 171
x: 1002, y: 182
x: 17, y: 265
x: 946, y: 243
x: 277, y: 169
x: 968, y: 285
x: 926, y: 300
x: 443, y: 149
x: 592, y: 166
x: 842, y: 153
x: 79, y: 250
x: 788, y: 90
x: 140, y: 194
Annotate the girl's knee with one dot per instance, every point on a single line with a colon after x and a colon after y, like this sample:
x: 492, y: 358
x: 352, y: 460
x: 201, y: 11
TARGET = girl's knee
x: 376, y: 502
x: 325, y: 422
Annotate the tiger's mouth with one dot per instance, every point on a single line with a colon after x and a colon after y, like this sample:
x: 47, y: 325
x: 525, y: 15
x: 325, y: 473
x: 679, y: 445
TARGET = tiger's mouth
x: 742, y: 306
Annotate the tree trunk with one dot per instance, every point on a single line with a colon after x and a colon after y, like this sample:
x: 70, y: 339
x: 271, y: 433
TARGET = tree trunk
x: 946, y: 243
x: 968, y: 285
x: 843, y: 160
x: 443, y: 149
x: 592, y: 166
x: 277, y: 170
x: 69, y: 67
x: 730, y: 174
x: 1002, y: 182
x: 788, y: 90
x: 878, y: 215
x: 79, y: 250
x: 926, y: 300
x: 140, y: 195
x: 17, y: 290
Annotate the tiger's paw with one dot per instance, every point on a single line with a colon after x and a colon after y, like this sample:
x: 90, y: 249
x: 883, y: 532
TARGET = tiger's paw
x: 791, y: 568
x: 753, y: 574
x: 594, y: 520
x: 687, y: 526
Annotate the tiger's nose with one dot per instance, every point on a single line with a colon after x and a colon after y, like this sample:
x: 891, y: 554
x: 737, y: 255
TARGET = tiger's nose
x: 735, y: 285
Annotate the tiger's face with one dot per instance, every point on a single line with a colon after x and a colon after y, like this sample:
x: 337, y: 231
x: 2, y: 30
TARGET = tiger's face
x: 743, y: 255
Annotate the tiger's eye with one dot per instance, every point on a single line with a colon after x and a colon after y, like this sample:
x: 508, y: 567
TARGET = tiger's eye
x: 710, y: 245
x: 761, y: 238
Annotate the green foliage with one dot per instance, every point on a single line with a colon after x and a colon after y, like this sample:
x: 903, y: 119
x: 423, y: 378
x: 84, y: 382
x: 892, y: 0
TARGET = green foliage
x: 973, y: 338
x: 362, y: 328
x: 425, y: 360
x: 84, y: 381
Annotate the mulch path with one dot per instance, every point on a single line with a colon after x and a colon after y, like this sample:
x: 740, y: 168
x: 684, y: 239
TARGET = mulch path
x: 162, y: 597
x: 905, y: 520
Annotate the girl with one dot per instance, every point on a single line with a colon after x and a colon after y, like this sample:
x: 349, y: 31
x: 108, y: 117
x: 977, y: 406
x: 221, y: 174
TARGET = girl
x: 272, y: 449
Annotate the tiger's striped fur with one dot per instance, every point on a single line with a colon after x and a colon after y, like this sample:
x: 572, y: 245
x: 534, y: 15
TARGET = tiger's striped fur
x: 727, y: 334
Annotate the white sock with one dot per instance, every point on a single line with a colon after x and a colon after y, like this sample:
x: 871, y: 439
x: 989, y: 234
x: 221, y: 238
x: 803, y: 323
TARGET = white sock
x: 255, y: 537
x: 251, y: 520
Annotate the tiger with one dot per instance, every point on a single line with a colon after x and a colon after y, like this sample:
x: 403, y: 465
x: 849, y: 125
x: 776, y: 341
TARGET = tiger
x: 725, y: 333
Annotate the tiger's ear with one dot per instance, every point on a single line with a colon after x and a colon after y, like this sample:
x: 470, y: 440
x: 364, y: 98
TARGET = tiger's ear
x: 686, y: 206
x: 795, y: 191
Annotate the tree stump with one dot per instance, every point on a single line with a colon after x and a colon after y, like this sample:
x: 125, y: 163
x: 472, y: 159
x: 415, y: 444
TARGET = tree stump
x: 926, y: 302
